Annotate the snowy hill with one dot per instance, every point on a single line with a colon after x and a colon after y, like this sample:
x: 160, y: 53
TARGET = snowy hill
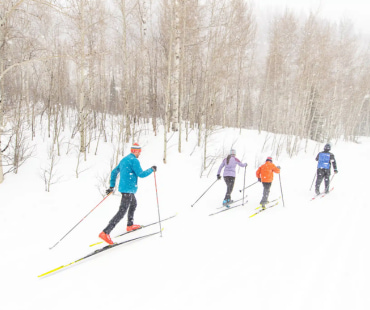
x: 306, y: 255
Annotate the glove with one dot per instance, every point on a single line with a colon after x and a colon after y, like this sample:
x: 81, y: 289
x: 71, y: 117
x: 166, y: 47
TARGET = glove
x: 278, y: 167
x: 218, y: 177
x: 335, y: 171
x: 154, y: 168
x: 259, y: 179
x: 109, y: 190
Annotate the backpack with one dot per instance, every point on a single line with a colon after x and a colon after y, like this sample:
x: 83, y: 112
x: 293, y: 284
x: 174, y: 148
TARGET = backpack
x: 324, y: 161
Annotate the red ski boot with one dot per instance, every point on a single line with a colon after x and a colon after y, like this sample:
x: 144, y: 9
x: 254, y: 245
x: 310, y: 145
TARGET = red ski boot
x: 133, y: 227
x: 105, y: 237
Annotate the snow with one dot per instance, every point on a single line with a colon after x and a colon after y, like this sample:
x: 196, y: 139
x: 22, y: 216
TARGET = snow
x: 304, y: 255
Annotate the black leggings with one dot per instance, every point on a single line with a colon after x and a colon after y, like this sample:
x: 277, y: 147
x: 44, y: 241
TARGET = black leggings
x: 229, y: 186
x: 323, y: 174
x: 266, y: 193
x: 128, y: 201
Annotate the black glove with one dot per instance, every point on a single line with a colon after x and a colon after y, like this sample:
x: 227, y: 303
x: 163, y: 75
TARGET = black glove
x: 218, y: 177
x: 259, y: 179
x: 154, y: 168
x: 109, y: 190
x: 335, y: 171
x: 278, y: 167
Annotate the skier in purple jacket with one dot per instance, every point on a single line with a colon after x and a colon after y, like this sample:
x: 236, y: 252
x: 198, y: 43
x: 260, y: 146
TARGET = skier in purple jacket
x: 229, y: 163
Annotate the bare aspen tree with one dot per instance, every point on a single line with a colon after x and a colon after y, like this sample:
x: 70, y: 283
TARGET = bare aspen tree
x: 7, y: 9
x: 17, y: 48
x: 2, y: 44
x: 125, y: 78
x: 175, y: 78
x: 242, y: 32
x: 182, y: 84
x: 145, y: 57
x: 278, y: 83
x: 167, y: 96
x: 48, y: 171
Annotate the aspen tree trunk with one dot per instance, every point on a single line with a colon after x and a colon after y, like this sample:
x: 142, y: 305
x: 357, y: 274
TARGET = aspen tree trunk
x: 2, y: 42
x: 238, y: 88
x: 176, y: 71
x: 182, y: 82
x: 145, y: 58
x: 125, y: 85
x: 155, y: 94
x: 81, y: 82
x: 168, y: 91
x: 1, y: 118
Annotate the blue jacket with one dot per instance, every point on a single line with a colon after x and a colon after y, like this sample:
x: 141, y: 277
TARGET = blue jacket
x: 129, y: 169
x: 325, y: 159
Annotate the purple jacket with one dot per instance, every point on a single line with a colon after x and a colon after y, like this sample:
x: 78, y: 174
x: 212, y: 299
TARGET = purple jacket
x: 230, y: 167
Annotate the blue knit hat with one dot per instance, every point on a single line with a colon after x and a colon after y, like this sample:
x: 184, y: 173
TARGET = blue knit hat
x: 232, y: 152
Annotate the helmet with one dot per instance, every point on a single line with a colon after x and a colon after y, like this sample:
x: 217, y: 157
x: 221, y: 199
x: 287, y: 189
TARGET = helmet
x: 327, y: 147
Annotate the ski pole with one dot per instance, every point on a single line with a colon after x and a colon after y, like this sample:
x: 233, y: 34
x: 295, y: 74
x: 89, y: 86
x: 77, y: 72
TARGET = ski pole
x: 281, y: 189
x: 204, y: 193
x: 159, y: 215
x: 245, y: 170
x: 81, y: 220
x: 331, y: 180
x: 247, y: 187
x: 313, y: 181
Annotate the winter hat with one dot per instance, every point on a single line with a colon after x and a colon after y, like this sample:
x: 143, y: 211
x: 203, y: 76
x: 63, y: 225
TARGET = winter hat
x: 232, y: 152
x: 135, y: 148
x: 327, y: 147
x: 269, y: 159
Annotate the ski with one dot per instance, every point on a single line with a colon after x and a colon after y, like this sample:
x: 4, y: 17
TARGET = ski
x: 107, y: 247
x: 228, y: 208
x: 268, y: 203
x: 143, y: 226
x: 321, y: 195
x: 265, y: 209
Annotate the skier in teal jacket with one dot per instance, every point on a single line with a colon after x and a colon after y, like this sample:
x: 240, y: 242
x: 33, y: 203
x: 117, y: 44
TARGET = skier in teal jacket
x: 129, y: 169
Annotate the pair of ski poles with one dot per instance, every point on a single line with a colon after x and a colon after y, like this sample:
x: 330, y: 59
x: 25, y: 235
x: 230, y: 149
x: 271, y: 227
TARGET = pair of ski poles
x: 331, y: 179
x: 159, y: 216
x: 216, y: 181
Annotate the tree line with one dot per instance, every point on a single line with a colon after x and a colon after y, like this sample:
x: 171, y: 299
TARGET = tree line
x: 181, y: 64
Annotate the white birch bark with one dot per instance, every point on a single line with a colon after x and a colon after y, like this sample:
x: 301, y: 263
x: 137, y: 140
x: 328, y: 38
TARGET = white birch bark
x: 176, y: 69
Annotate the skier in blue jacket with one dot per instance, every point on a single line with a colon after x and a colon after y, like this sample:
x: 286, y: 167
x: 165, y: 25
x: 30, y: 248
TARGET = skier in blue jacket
x: 129, y: 169
x: 325, y: 159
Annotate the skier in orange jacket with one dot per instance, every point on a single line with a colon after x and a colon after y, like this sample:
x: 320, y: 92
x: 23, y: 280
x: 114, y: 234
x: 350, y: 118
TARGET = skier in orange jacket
x: 265, y: 174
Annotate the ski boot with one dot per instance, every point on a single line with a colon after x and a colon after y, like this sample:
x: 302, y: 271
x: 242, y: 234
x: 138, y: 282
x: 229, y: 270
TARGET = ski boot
x: 133, y: 227
x: 105, y: 237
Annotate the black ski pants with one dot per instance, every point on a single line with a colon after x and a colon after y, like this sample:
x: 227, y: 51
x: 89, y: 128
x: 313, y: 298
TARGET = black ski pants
x: 266, y: 193
x: 322, y: 174
x: 128, y: 201
x: 229, y: 186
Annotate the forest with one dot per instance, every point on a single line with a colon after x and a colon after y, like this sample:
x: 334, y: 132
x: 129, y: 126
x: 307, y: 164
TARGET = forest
x: 103, y: 69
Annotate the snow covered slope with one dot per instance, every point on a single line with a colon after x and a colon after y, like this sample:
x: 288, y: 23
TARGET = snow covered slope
x: 306, y: 255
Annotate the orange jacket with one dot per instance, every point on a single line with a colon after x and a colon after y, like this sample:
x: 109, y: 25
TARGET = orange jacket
x: 266, y: 172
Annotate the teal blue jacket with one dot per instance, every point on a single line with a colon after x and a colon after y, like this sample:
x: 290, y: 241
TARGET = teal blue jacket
x: 129, y: 169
